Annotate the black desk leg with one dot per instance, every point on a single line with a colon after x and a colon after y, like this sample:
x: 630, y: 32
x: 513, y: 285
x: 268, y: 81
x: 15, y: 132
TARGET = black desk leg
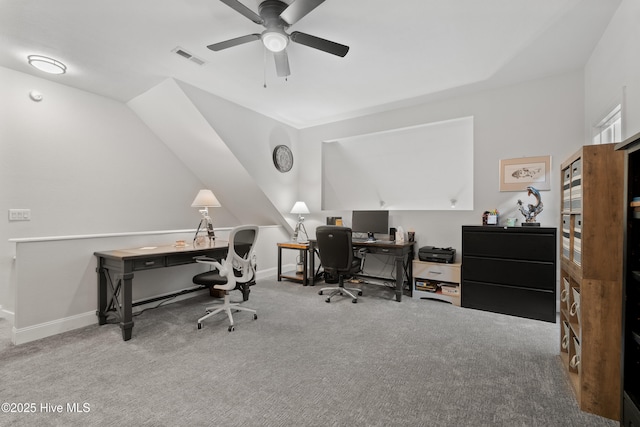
x: 279, y: 263
x: 102, y: 294
x: 312, y: 264
x: 305, y: 273
x: 399, y: 277
x: 126, y: 322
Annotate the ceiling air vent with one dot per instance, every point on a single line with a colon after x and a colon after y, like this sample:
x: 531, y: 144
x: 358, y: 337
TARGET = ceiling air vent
x: 180, y: 51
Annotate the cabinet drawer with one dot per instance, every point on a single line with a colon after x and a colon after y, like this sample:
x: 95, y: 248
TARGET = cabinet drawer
x: 524, y: 274
x: 148, y: 263
x: 437, y: 272
x: 512, y: 244
x: 529, y: 303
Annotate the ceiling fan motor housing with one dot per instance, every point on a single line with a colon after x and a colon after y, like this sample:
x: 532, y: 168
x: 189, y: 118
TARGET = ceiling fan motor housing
x: 270, y: 11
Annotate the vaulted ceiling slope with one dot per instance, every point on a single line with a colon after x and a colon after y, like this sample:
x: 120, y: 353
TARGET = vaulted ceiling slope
x: 400, y: 52
x: 175, y: 117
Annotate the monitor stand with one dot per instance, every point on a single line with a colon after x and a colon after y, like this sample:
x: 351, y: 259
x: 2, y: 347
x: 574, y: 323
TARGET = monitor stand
x: 371, y: 237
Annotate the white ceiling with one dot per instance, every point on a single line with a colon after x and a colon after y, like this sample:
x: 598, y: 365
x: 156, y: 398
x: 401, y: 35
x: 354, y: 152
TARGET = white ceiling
x: 401, y: 51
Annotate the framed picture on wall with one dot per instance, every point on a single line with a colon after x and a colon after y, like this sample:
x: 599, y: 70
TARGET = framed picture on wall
x: 517, y: 174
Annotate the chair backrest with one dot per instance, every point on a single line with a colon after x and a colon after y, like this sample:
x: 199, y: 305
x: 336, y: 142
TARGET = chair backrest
x: 335, y: 247
x: 241, y: 257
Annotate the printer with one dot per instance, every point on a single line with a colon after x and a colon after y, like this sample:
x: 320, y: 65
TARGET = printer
x: 433, y: 254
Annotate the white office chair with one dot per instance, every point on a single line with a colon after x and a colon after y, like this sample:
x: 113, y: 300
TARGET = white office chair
x: 239, y: 268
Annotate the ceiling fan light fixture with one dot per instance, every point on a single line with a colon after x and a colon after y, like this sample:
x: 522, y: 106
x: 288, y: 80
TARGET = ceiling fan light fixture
x: 46, y: 64
x: 275, y: 41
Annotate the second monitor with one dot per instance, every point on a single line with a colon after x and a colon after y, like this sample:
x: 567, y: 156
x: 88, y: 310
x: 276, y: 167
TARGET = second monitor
x: 370, y: 222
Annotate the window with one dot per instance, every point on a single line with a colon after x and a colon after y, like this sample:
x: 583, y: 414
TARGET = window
x: 610, y: 128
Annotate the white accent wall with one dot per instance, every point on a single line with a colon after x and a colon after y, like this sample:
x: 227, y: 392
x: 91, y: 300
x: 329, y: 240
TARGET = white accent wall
x: 535, y: 118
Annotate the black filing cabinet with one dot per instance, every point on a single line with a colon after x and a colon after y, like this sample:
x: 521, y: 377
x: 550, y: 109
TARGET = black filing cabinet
x: 510, y: 270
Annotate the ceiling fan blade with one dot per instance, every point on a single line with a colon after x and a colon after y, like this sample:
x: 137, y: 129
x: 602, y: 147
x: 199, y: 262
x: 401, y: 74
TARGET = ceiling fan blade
x: 234, y: 42
x: 243, y: 10
x: 298, y: 10
x: 320, y: 44
x: 282, y: 63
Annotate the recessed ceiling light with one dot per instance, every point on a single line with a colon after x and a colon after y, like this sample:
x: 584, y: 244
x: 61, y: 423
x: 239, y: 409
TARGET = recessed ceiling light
x: 46, y: 64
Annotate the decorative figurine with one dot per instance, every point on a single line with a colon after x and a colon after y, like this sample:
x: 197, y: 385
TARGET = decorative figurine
x: 533, y: 211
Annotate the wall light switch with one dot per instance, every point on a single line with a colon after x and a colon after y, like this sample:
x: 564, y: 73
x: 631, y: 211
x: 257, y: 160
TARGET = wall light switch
x: 19, y: 214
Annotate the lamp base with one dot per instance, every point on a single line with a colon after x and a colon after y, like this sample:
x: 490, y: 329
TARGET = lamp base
x: 205, y: 224
x: 296, y: 233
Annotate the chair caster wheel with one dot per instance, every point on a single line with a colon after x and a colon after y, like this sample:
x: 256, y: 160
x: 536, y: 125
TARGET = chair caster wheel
x: 319, y: 292
x: 360, y: 293
x: 328, y: 300
x: 354, y: 300
x: 199, y: 325
x: 231, y: 328
x: 207, y: 311
x: 255, y: 316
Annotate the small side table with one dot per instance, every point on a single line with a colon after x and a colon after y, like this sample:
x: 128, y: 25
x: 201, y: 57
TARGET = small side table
x: 307, y: 253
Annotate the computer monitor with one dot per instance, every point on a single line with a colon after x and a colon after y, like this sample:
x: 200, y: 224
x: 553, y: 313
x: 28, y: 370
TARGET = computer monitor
x: 370, y: 222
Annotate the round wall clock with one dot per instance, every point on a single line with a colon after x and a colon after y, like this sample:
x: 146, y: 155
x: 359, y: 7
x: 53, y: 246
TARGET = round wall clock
x: 283, y: 158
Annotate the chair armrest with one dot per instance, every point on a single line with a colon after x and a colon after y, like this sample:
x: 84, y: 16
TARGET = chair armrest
x: 209, y: 261
x: 204, y: 258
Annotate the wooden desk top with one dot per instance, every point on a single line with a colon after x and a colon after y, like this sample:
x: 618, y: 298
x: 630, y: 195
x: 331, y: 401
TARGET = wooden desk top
x: 294, y: 245
x: 145, y: 251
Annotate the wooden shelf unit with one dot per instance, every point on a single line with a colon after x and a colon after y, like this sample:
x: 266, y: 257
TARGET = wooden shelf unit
x: 591, y: 276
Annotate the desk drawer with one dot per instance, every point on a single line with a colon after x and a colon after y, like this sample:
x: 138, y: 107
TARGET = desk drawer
x: 148, y: 263
x: 180, y: 259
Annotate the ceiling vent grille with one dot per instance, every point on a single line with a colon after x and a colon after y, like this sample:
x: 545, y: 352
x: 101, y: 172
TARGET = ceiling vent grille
x: 183, y: 53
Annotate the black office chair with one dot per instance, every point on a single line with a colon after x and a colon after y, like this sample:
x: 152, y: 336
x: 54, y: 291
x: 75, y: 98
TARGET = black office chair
x: 234, y: 272
x: 336, y: 255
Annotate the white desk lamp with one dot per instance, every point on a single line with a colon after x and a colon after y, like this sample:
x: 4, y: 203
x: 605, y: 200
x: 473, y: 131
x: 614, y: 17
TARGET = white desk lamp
x: 300, y: 208
x: 205, y: 200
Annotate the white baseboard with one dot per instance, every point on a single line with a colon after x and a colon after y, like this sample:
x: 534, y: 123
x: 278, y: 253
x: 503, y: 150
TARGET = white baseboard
x: 267, y: 273
x: 58, y: 326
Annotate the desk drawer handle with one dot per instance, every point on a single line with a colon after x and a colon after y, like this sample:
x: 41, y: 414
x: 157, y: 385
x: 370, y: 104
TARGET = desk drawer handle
x: 385, y: 250
x: 435, y: 272
x: 149, y: 263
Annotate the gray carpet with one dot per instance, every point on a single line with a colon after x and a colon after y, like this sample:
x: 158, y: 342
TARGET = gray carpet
x: 303, y: 362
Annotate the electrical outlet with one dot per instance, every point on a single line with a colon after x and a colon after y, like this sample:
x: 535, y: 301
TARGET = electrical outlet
x: 19, y: 214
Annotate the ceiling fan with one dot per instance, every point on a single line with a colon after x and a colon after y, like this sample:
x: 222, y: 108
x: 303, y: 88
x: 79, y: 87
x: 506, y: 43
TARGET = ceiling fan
x: 276, y: 16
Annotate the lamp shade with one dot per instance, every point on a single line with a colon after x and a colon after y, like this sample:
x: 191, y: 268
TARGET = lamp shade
x: 205, y: 199
x: 300, y: 208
